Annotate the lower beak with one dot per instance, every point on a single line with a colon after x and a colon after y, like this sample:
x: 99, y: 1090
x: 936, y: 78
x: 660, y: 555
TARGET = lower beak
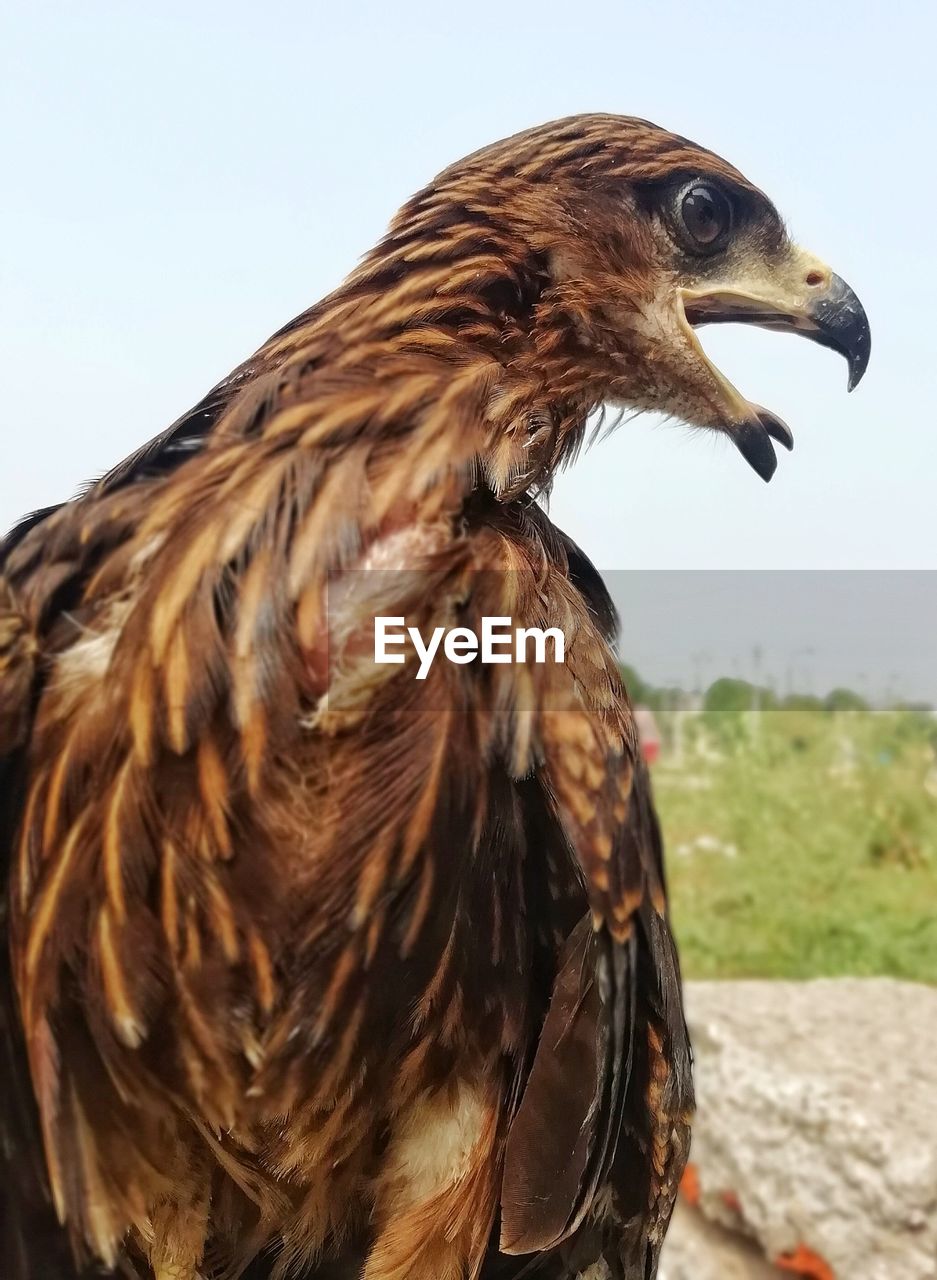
x: 827, y: 312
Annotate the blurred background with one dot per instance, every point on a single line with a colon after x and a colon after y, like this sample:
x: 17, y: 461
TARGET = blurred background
x: 789, y: 721
x: 181, y: 179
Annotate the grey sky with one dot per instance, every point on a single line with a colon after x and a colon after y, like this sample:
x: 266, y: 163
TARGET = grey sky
x: 181, y: 179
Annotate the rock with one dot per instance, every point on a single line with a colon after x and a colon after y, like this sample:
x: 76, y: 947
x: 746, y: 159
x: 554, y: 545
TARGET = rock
x: 698, y: 1249
x: 817, y: 1129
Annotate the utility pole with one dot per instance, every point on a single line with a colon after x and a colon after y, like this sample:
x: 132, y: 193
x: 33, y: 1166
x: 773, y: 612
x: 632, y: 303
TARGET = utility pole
x: 756, y: 692
x: 677, y: 713
x: 701, y: 660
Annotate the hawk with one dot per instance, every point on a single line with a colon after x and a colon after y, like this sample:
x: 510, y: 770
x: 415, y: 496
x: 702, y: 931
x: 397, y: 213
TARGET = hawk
x: 311, y: 967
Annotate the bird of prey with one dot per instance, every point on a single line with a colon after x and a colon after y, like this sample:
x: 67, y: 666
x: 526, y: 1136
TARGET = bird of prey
x: 313, y: 968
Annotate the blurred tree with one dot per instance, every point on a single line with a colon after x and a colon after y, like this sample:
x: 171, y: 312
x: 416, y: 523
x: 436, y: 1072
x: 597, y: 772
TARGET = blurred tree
x: 731, y: 695
x: 844, y: 700
x: 638, y: 690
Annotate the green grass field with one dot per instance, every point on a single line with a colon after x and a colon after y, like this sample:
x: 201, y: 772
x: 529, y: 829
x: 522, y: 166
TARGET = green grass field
x: 805, y: 847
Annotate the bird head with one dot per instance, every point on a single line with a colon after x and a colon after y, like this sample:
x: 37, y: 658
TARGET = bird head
x: 620, y: 240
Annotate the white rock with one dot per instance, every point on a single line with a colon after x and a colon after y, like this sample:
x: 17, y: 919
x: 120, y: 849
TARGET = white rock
x: 818, y: 1112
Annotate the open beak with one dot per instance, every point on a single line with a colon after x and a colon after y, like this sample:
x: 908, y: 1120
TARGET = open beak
x: 806, y: 298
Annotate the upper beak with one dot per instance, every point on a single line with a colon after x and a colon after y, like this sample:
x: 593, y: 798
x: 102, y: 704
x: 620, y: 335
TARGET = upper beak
x: 805, y: 298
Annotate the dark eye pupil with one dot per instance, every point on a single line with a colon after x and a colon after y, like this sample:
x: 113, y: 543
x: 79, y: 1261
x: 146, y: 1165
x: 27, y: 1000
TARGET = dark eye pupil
x: 705, y: 214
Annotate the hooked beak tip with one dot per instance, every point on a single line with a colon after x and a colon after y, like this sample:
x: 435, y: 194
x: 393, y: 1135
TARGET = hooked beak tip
x: 838, y: 320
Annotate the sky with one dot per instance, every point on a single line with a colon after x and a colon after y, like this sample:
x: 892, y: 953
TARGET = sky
x: 181, y: 179
x: 796, y: 630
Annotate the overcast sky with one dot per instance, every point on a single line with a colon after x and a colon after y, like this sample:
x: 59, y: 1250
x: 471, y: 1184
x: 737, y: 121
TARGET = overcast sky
x: 180, y: 179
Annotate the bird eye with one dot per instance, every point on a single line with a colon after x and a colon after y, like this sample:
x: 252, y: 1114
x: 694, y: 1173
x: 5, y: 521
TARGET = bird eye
x: 705, y: 215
